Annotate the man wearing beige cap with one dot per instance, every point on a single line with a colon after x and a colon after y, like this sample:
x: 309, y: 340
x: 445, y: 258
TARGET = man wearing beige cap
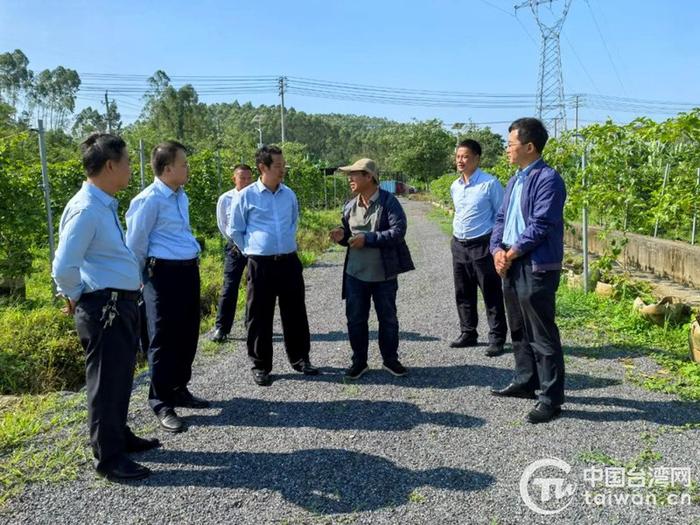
x: 374, y: 226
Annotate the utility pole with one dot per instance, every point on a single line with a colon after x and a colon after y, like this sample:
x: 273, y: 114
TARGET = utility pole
x: 107, y: 114
x: 142, y: 166
x: 47, y: 196
x: 550, y: 91
x: 576, y: 121
x: 282, y: 86
x: 218, y: 156
x: 258, y: 120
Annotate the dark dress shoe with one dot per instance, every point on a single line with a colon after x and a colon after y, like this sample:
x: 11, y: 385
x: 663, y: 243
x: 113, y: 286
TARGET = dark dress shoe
x: 306, y: 368
x: 218, y: 336
x: 495, y: 350
x: 122, y: 468
x: 542, y: 413
x: 185, y: 399
x: 261, y: 377
x: 463, y: 341
x: 170, y: 421
x: 137, y: 444
x: 514, y: 390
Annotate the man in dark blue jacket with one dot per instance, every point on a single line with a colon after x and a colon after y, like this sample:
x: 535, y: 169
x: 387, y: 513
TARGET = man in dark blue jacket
x: 374, y: 226
x: 528, y: 247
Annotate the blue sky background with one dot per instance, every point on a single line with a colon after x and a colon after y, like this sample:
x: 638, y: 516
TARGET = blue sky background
x: 627, y: 48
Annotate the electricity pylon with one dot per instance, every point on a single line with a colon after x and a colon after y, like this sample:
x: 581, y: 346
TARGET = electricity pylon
x: 551, y: 108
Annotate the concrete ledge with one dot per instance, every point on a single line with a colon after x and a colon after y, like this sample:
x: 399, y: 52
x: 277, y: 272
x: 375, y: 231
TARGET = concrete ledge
x: 677, y: 261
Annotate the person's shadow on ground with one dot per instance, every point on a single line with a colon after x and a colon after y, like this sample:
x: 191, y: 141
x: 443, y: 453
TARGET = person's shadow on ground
x: 338, y: 335
x: 324, y: 481
x: 671, y: 412
x: 330, y: 415
x: 444, y: 377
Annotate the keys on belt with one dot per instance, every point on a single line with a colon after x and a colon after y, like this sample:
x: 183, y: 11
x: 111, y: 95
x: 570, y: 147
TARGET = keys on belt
x: 109, y: 310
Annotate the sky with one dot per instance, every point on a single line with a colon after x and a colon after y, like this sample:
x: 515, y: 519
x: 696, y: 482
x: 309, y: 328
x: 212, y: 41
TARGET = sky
x: 642, y: 49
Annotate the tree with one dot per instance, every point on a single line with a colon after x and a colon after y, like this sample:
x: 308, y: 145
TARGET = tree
x: 15, y: 76
x: 492, y: 144
x: 423, y: 150
x: 88, y: 121
x: 53, y: 93
x: 175, y: 112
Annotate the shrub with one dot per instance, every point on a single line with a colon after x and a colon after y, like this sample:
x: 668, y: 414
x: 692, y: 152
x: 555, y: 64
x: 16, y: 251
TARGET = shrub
x: 39, y: 351
x: 440, y: 188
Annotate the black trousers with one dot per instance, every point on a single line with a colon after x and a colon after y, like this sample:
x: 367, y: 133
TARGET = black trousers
x: 110, y: 356
x: 234, y: 264
x: 171, y: 293
x: 472, y: 267
x: 270, y: 278
x: 530, y: 299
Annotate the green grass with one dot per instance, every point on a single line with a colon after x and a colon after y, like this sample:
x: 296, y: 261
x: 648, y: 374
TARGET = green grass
x: 442, y: 218
x: 610, y: 328
x: 40, y: 441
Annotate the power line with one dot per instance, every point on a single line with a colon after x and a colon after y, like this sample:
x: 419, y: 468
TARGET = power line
x: 605, y: 45
x: 126, y: 88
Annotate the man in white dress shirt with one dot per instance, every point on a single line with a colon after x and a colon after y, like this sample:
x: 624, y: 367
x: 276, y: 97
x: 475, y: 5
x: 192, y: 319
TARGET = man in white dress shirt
x: 234, y: 260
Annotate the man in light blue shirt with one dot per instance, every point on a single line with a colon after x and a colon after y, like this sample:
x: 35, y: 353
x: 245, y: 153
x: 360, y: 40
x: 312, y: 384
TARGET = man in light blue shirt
x: 477, y: 197
x: 159, y: 234
x: 99, y: 277
x: 234, y: 260
x: 264, y: 225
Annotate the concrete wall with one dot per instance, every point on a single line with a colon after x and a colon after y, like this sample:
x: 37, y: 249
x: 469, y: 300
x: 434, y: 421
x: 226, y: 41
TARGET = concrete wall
x: 677, y: 261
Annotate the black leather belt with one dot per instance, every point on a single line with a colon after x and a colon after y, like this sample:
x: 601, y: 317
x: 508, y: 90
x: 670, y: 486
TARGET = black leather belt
x: 279, y: 257
x: 121, y: 295
x: 176, y: 262
x: 474, y: 241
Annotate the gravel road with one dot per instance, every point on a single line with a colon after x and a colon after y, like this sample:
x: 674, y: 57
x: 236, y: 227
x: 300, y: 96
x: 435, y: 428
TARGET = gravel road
x: 433, y: 447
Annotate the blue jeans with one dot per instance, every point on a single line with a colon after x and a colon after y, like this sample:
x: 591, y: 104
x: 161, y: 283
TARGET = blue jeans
x: 358, y: 295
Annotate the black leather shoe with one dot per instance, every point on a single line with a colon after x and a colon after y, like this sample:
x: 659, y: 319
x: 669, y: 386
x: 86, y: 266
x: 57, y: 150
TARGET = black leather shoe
x: 514, y: 390
x: 395, y: 368
x: 185, y: 399
x: 542, y: 413
x: 306, y: 368
x: 218, y: 336
x: 123, y: 468
x: 261, y: 377
x: 137, y: 444
x: 356, y: 371
x: 170, y: 421
x: 495, y: 350
x: 463, y: 341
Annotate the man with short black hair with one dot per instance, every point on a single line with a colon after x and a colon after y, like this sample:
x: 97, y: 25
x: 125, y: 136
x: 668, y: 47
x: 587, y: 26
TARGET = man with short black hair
x: 234, y: 259
x: 159, y: 234
x: 477, y: 197
x: 373, y: 230
x: 99, y: 277
x: 263, y: 225
x: 528, y: 247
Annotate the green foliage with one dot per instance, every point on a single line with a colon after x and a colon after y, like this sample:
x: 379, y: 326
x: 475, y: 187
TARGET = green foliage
x: 39, y: 351
x: 20, y: 208
x: 613, y: 324
x: 625, y: 170
x: 40, y: 441
x: 440, y: 188
x: 492, y: 144
x: 422, y: 150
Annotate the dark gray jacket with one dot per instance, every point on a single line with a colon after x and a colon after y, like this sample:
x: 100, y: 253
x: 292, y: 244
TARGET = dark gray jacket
x: 388, y: 236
